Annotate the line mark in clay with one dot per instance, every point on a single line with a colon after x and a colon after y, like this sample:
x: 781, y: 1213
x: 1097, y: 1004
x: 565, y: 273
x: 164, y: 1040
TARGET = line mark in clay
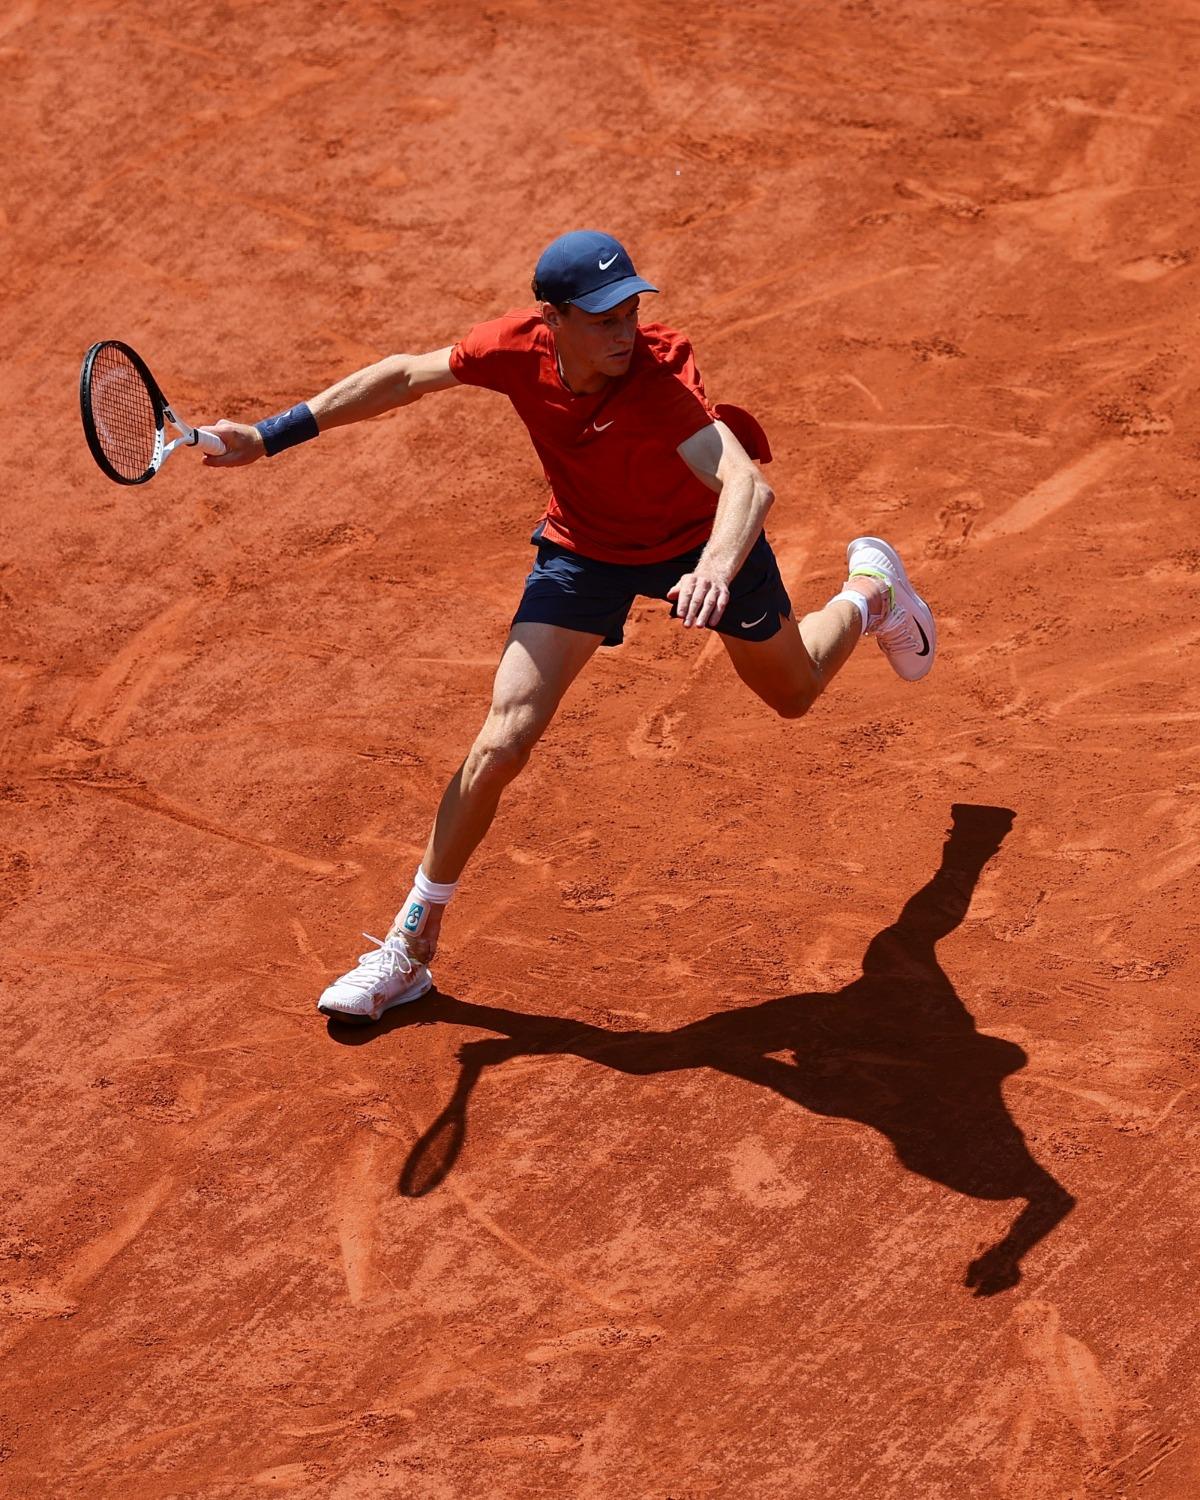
x: 108, y: 703
x: 829, y: 294
x: 166, y: 807
x: 487, y: 1223
x: 355, y: 1213
x: 1070, y: 1372
x: 1053, y: 494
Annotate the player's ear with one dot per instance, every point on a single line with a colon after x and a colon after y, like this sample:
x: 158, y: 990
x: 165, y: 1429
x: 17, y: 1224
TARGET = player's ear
x: 551, y: 316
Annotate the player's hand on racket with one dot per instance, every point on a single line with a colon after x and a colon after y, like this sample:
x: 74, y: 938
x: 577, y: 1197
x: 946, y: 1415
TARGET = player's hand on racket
x: 700, y: 597
x: 125, y: 416
x: 243, y: 444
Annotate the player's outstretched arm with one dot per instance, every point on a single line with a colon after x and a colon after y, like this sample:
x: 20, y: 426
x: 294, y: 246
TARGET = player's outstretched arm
x: 716, y: 458
x: 398, y: 380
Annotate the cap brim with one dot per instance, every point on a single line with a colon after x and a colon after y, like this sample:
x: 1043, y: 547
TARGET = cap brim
x: 608, y: 296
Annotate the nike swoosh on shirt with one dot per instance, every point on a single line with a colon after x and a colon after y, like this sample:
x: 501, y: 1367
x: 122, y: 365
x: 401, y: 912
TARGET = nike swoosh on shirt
x: 603, y: 426
x: 750, y: 624
x: 604, y: 264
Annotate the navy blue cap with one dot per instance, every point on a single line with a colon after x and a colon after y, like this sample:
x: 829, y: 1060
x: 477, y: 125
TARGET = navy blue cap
x: 588, y: 268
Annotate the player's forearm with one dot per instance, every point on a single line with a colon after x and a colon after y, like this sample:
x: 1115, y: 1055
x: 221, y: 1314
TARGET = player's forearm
x: 367, y: 393
x: 398, y: 380
x: 746, y: 497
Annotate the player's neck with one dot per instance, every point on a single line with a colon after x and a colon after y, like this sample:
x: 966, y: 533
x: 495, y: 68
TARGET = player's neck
x: 578, y: 379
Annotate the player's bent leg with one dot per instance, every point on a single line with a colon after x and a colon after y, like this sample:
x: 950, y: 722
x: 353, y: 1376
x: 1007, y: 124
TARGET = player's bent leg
x: 785, y: 664
x: 791, y: 669
x: 780, y: 670
x: 538, y: 665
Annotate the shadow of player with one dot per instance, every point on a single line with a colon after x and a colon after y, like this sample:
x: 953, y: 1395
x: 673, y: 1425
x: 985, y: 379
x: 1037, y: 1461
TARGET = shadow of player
x: 896, y: 1050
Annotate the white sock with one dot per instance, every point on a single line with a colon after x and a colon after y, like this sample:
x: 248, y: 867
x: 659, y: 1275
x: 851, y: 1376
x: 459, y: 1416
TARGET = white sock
x: 431, y: 890
x: 855, y: 597
x: 414, y: 914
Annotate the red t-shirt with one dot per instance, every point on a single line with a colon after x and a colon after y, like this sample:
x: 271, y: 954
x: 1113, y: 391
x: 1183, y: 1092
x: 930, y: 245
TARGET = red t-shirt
x: 620, y: 492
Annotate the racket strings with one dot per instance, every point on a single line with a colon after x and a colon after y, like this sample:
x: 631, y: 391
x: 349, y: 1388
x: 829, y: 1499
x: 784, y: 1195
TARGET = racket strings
x: 123, y: 413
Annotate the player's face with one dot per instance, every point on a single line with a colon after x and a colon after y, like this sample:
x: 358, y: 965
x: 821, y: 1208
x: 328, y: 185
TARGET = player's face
x: 601, y: 343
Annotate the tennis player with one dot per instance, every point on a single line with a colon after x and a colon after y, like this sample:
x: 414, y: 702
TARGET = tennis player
x: 654, y: 491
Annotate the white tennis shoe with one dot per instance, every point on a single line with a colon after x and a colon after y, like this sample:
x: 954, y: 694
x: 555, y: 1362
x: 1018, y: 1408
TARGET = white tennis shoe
x: 905, y: 631
x: 385, y: 976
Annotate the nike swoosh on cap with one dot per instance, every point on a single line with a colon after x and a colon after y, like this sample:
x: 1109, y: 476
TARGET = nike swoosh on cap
x: 604, y: 264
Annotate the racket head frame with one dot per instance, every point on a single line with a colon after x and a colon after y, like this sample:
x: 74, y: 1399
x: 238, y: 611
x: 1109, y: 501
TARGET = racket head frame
x: 157, y: 402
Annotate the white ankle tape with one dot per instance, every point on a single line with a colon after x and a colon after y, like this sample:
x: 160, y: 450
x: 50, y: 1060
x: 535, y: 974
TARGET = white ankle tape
x: 413, y: 916
x: 855, y: 597
x: 431, y: 890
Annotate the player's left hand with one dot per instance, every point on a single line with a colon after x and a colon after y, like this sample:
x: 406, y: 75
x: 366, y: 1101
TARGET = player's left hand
x: 700, y: 597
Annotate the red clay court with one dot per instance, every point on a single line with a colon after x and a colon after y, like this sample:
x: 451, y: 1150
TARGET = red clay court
x: 806, y: 1110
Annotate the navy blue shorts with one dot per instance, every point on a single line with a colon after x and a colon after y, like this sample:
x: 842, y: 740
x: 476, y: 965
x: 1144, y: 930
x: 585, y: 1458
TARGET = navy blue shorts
x: 579, y: 593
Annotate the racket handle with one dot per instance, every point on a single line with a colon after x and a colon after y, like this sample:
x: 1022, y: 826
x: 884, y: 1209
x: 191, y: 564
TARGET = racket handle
x: 209, y: 441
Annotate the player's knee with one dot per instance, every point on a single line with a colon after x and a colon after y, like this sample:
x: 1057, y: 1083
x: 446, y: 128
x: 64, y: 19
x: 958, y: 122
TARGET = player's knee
x: 497, y: 762
x: 502, y: 751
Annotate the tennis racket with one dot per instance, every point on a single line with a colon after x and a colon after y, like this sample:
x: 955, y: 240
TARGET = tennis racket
x: 125, y: 415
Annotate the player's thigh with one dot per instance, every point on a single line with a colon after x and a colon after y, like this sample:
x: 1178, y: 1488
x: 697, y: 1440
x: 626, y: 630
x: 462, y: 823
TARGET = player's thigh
x: 778, y: 669
x: 539, y: 663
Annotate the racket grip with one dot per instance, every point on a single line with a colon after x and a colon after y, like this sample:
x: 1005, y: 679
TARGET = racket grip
x: 209, y: 441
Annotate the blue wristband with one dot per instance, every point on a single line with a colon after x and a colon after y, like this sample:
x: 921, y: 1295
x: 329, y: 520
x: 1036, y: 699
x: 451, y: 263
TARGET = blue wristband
x: 287, y: 429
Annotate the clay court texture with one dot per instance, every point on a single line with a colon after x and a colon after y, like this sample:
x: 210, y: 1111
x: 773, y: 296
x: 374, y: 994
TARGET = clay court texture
x: 804, y: 1109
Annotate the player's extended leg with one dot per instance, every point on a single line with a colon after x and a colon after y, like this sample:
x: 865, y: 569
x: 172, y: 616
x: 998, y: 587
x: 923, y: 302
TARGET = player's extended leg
x: 538, y: 665
x: 791, y: 669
